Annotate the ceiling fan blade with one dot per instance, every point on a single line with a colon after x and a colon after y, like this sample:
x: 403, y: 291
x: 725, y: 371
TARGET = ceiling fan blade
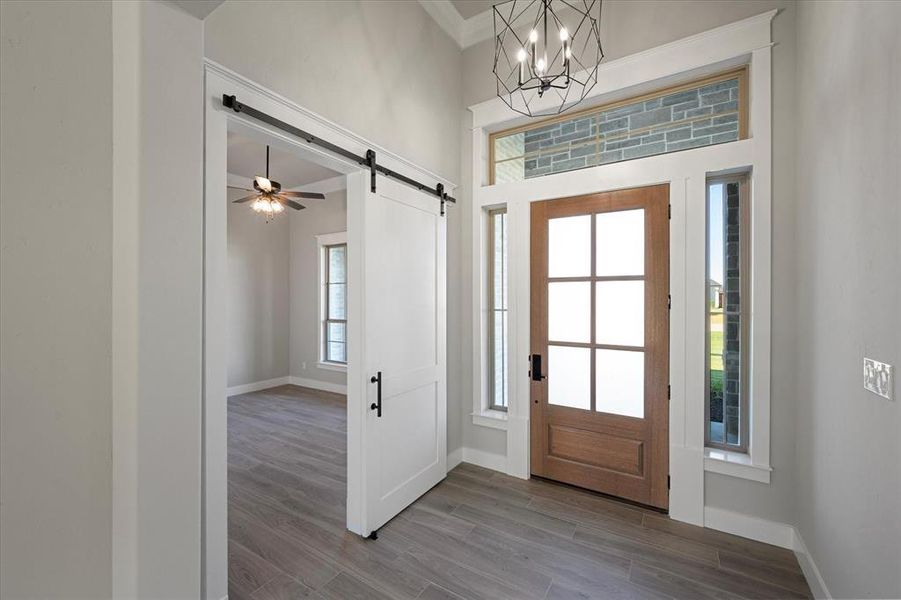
x: 246, y: 199
x: 234, y: 187
x: 292, y: 204
x: 311, y: 195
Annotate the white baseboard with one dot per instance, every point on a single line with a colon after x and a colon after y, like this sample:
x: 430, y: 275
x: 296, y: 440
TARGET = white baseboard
x: 325, y: 386
x: 315, y: 384
x: 809, y: 568
x: 454, y: 458
x: 488, y: 460
x: 753, y: 528
x: 256, y: 386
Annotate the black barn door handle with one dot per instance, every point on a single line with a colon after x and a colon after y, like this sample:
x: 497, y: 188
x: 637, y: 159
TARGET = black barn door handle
x: 377, y: 405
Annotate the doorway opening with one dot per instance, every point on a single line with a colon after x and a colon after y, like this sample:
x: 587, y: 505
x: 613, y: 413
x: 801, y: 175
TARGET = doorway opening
x: 600, y: 342
x: 286, y: 319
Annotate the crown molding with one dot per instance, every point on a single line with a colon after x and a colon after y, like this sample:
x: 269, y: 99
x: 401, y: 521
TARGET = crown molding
x: 465, y: 32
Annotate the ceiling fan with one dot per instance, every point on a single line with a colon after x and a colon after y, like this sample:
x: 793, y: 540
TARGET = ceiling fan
x: 269, y: 198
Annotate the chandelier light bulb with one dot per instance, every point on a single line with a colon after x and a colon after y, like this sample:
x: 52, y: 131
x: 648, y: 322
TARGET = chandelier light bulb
x: 564, y: 34
x: 540, y: 66
x: 521, y: 55
x: 533, y: 36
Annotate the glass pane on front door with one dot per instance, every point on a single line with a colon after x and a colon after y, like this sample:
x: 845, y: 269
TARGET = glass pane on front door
x: 569, y: 247
x: 569, y: 383
x: 620, y: 313
x: 569, y: 311
x: 619, y: 382
x: 619, y: 243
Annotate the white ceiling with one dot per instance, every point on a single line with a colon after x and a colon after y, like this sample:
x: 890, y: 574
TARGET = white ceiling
x: 247, y: 158
x: 471, y: 8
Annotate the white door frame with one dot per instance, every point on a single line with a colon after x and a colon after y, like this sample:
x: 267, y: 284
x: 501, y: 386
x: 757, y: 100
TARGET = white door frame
x: 218, y: 120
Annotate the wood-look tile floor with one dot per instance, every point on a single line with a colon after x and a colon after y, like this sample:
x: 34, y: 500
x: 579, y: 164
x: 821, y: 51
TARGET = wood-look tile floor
x: 478, y: 534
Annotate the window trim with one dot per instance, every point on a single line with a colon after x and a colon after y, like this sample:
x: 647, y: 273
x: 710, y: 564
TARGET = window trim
x: 323, y: 243
x: 745, y: 269
x: 492, y: 405
x: 741, y: 73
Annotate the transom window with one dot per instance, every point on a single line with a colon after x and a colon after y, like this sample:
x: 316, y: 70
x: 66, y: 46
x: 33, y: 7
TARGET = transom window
x: 701, y: 113
x: 728, y: 303
x: 334, y: 322
x: 497, y: 309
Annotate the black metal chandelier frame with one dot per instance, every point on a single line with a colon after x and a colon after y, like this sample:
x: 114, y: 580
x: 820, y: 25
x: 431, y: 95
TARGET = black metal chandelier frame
x: 533, y: 66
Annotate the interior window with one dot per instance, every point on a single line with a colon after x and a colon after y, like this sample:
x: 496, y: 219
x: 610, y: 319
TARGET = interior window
x: 727, y: 321
x: 335, y: 322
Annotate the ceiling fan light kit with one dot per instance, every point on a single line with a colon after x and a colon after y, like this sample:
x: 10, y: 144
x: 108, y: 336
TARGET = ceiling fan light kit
x: 269, y: 199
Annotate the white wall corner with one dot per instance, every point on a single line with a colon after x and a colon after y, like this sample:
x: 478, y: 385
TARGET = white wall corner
x: 809, y: 568
x: 454, y: 458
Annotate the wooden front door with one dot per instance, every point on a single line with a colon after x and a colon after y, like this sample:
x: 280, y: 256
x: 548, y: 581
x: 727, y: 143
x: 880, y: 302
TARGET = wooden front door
x: 600, y: 342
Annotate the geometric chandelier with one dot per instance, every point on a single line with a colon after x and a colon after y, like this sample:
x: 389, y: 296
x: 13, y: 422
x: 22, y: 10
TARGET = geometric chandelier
x: 546, y: 54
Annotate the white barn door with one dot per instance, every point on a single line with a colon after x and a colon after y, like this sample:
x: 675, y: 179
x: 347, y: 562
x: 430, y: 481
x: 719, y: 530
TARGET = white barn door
x: 404, y: 429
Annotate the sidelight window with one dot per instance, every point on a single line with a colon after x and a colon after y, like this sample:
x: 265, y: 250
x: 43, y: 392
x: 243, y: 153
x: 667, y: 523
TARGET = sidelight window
x: 727, y: 314
x: 497, y: 309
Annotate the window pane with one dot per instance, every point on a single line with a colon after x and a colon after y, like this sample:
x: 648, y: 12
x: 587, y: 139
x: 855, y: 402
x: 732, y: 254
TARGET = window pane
x: 336, y: 301
x: 509, y: 170
x: 619, y: 243
x: 671, y: 121
x: 569, y: 246
x: 724, y: 327
x: 569, y: 376
x: 499, y: 258
x: 337, y: 261
x: 509, y: 146
x: 499, y: 360
x: 619, y: 382
x: 619, y: 319
x: 569, y: 311
x: 336, y: 352
x: 336, y: 332
x: 497, y: 304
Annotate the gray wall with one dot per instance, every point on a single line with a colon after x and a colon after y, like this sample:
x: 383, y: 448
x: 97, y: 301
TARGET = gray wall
x: 384, y: 70
x: 170, y: 293
x: 259, y: 295
x: 56, y: 314
x: 328, y: 216
x: 630, y: 27
x: 849, y: 292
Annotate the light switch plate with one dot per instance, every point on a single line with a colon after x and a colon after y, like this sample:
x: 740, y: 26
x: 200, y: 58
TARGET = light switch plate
x: 877, y: 378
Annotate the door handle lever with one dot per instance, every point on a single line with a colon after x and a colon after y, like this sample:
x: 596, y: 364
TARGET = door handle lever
x: 377, y: 405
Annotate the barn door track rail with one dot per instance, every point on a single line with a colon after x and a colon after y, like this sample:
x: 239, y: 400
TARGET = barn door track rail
x: 367, y: 160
